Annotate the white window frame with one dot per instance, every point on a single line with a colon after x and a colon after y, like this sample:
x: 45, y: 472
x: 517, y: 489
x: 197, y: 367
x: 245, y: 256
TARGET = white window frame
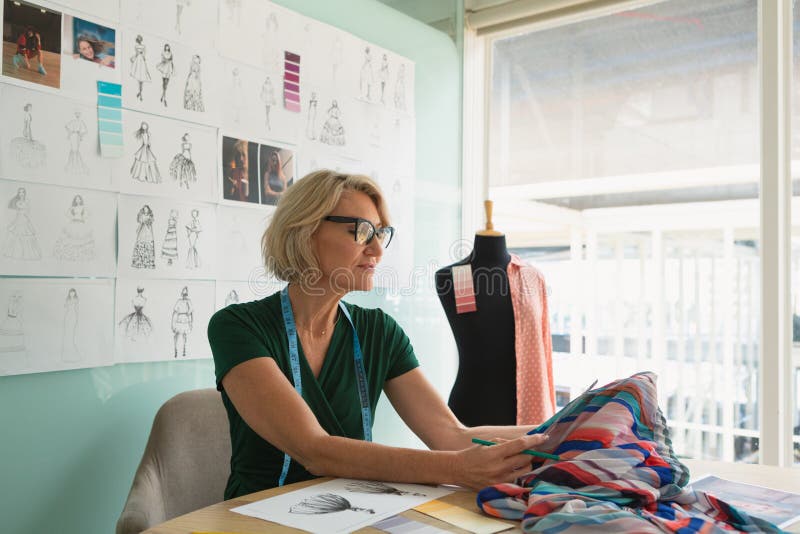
x: 775, y: 82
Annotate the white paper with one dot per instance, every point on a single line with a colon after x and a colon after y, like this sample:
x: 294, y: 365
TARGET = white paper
x: 98, y: 8
x: 167, y: 157
x: 56, y: 231
x: 193, y: 22
x: 350, y: 504
x: 239, y: 242
x: 162, y: 320
x: 166, y: 238
x: 55, y: 324
x: 53, y: 141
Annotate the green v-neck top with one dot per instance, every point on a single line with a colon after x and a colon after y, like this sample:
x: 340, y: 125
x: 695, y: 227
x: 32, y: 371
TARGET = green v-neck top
x: 241, y: 332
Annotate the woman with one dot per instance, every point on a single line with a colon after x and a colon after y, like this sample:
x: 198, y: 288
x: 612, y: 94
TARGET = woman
x: 268, y: 98
x: 76, y: 131
x: 145, y: 166
x: 167, y: 68
x: 21, y: 242
x: 327, y: 235
x: 193, y: 90
x: 192, y: 235
x: 91, y: 48
x: 76, y: 242
x: 139, y: 71
x: 274, y: 179
x: 182, y: 321
x: 182, y: 168
x: 238, y: 182
x: 144, y: 250
x: 29, y: 45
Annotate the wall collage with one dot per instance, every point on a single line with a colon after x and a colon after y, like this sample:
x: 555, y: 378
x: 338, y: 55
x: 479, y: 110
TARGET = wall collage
x: 144, y: 145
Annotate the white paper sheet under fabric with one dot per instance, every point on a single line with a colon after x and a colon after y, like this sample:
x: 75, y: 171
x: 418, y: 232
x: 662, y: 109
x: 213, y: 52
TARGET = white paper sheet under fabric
x: 181, y: 244
x: 168, y: 148
x: 53, y: 141
x: 340, y: 517
x: 151, y: 320
x: 49, y: 324
x: 48, y: 230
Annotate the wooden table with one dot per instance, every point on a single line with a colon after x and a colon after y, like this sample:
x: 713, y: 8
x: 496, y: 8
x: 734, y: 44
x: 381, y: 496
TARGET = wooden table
x: 218, y: 517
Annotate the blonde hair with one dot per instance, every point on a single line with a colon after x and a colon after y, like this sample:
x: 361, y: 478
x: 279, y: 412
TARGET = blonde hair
x: 286, y: 243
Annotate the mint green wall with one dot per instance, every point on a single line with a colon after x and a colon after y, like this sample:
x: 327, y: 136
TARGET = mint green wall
x: 70, y: 441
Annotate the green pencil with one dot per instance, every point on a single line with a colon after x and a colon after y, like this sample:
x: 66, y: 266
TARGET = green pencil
x: 526, y: 451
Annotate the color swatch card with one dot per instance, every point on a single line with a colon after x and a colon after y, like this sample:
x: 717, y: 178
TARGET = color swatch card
x: 464, y: 290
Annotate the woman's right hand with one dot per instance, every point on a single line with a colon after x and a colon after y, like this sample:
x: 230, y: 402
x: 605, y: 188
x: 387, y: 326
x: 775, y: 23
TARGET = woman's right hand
x: 480, y: 466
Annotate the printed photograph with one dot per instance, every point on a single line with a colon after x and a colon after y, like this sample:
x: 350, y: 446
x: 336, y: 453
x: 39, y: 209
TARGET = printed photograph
x: 277, y: 172
x: 239, y: 170
x: 89, y: 41
x: 31, y: 43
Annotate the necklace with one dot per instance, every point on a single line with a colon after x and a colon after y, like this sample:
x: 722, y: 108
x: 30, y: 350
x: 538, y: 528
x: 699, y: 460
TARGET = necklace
x: 322, y: 332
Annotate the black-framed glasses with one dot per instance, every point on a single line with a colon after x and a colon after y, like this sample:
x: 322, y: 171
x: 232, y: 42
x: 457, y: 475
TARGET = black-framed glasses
x: 365, y: 231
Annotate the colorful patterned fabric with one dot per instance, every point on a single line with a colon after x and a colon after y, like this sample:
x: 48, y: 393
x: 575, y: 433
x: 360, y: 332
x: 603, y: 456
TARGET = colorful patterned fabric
x: 618, y: 473
x: 536, y: 395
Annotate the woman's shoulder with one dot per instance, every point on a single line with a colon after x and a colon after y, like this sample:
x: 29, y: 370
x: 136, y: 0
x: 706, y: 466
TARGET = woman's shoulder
x: 255, y: 315
x: 370, y: 317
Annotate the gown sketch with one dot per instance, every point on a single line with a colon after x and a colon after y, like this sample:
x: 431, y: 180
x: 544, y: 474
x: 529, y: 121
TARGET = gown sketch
x: 145, y: 166
x: 182, y: 321
x: 69, y: 346
x: 268, y: 98
x: 400, y: 88
x: 237, y: 95
x: 179, y: 6
x: 366, y: 78
x: 28, y: 152
x: 193, y: 91
x: 384, y: 76
x: 12, y: 335
x: 332, y: 131
x: 369, y: 486
x: 76, y: 242
x: 167, y: 68
x: 139, y: 71
x: 137, y: 325
x: 231, y: 298
x: 144, y: 250
x: 21, y: 242
x: 182, y: 168
x: 311, y: 118
x: 325, y: 503
x: 76, y: 131
x: 169, y: 249
x: 192, y: 234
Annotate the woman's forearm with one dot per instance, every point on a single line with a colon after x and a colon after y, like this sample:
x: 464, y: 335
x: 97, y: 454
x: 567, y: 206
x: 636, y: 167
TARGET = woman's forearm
x: 503, y: 432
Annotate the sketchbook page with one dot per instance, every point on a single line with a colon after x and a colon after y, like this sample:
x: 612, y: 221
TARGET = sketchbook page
x: 74, y: 315
x: 56, y: 231
x: 237, y: 292
x: 193, y: 22
x: 50, y: 139
x: 103, y: 9
x: 88, y: 54
x: 166, y: 238
x: 166, y: 157
x: 162, y: 320
x: 169, y: 78
x: 340, y: 505
x: 239, y: 242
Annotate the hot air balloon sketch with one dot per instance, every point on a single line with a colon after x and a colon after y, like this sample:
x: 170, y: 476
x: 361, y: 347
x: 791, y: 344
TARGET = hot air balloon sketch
x: 325, y: 503
x: 369, y: 486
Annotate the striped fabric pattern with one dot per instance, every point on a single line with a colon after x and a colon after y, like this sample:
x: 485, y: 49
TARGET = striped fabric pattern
x: 618, y: 473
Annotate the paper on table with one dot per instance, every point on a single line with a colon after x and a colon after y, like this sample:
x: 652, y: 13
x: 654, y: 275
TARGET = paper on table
x: 340, y: 505
x: 455, y: 515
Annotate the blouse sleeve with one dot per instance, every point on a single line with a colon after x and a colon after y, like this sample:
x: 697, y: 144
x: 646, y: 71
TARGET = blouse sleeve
x: 401, y: 354
x: 233, y: 340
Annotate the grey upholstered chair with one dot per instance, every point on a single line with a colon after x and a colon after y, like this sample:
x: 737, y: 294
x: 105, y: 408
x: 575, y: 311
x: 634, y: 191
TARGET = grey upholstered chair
x: 185, y: 465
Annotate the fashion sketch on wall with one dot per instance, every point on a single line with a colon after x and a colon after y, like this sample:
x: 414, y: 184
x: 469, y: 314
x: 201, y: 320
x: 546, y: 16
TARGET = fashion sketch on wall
x: 311, y: 118
x: 145, y: 166
x: 192, y: 235
x: 369, y: 486
x: 237, y: 99
x: 231, y: 298
x: 76, y: 242
x: 179, y: 7
x: 400, y: 88
x: 136, y: 325
x: 144, y: 250
x: 366, y: 78
x: 325, y: 503
x: 76, y: 131
x: 139, y: 70
x: 21, y: 242
x: 28, y: 152
x: 193, y: 91
x: 69, y: 345
x: 182, y: 322
x: 12, y: 335
x: 182, y: 168
x: 384, y: 76
x: 167, y: 68
x: 332, y: 131
x: 268, y: 99
x: 169, y: 248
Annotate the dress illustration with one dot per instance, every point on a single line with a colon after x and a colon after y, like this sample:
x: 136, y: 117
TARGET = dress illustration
x: 76, y: 242
x: 76, y: 131
x: 169, y: 249
x: 384, y: 76
x: 193, y: 92
x: 325, y: 503
x: 311, y: 119
x: 28, y: 152
x: 182, y: 167
x: 69, y: 346
x: 400, y: 88
x: 231, y: 298
x: 137, y: 325
x: 12, y: 336
x: 179, y: 5
x: 182, y: 321
x: 332, y: 131
x: 268, y: 98
x: 167, y: 68
x: 192, y: 235
x: 145, y: 166
x: 139, y: 71
x: 21, y: 242
x: 365, y: 81
x: 144, y: 250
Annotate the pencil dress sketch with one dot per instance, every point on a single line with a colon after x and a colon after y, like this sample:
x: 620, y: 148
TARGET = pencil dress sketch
x: 192, y: 235
x: 179, y: 6
x: 369, y: 486
x: 139, y: 71
x: 311, y: 118
x: 69, y: 346
x: 182, y: 321
x: 167, y: 68
x: 136, y: 325
x: 237, y: 99
x: 400, y: 88
x: 76, y: 131
x: 182, y: 168
x: 193, y: 91
x: 384, y: 76
x: 366, y: 78
x: 12, y: 335
x: 21, y: 242
x: 144, y: 250
x: 169, y: 249
x: 325, y: 503
x: 28, y: 152
x: 231, y: 298
x: 268, y: 99
x: 332, y: 131
x: 145, y: 166
x: 76, y: 242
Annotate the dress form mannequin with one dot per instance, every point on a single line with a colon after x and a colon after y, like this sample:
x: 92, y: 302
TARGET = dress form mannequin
x: 484, y: 392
